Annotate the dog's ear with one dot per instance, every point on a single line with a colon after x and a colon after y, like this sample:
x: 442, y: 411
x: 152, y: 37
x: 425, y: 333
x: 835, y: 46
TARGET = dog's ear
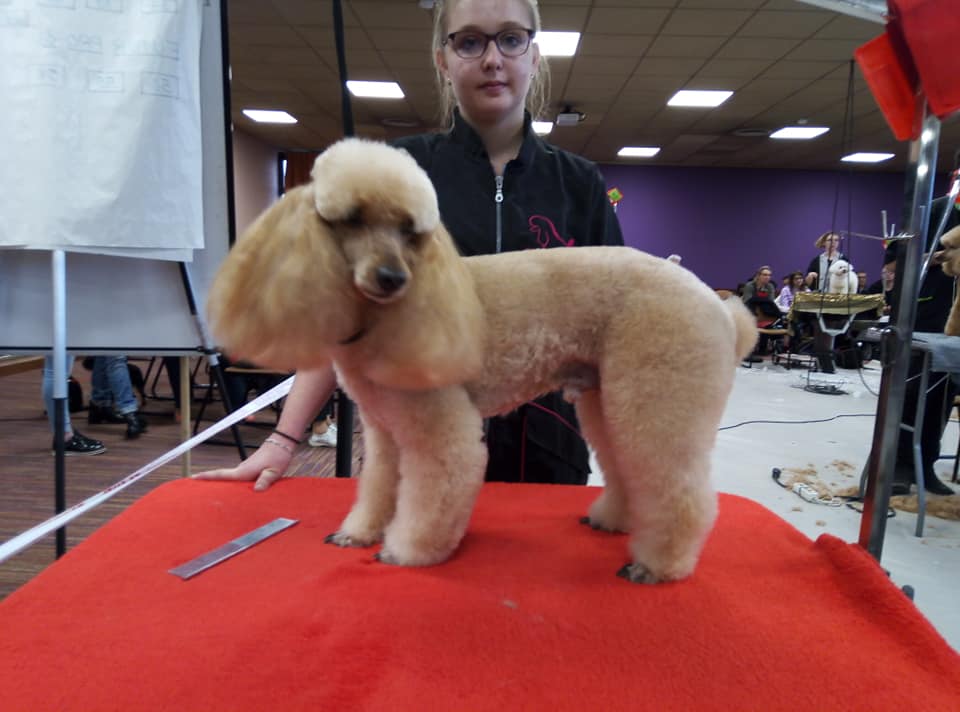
x: 284, y: 294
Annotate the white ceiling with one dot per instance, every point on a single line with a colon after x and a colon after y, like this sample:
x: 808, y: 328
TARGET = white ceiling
x: 786, y: 61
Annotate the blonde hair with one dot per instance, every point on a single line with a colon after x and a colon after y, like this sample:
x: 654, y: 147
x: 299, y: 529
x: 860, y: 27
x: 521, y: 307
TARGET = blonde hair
x: 538, y: 93
x: 822, y: 240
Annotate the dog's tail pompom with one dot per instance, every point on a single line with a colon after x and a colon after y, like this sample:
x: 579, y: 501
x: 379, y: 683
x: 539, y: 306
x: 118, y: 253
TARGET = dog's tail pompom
x: 376, y: 174
x: 745, y: 325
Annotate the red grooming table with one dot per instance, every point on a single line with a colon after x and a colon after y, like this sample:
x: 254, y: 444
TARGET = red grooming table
x: 527, y: 615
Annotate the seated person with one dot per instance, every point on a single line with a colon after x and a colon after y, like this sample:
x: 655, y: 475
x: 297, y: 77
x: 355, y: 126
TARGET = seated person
x: 759, y: 294
x: 794, y: 285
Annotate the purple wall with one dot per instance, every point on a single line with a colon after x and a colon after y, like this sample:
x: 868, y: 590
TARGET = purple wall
x: 727, y: 222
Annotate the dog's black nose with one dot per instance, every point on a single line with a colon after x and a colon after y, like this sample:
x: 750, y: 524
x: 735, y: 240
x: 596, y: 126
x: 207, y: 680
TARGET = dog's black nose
x: 390, y: 279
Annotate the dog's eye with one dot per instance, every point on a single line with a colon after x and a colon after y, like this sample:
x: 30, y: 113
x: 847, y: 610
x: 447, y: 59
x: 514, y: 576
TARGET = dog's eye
x: 354, y: 218
x: 407, y: 229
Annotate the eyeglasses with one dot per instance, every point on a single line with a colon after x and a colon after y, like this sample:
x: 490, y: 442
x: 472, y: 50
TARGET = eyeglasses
x: 470, y: 44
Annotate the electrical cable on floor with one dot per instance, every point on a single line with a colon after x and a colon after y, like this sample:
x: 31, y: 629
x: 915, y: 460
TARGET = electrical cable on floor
x: 797, y: 422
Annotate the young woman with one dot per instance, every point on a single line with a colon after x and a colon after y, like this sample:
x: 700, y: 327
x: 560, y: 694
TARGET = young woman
x: 794, y: 286
x: 816, y: 278
x: 500, y: 188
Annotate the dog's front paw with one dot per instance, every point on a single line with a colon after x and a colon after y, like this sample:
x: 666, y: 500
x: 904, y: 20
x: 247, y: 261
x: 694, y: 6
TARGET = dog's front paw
x: 601, y: 526
x: 385, y: 557
x: 637, y: 573
x: 341, y: 538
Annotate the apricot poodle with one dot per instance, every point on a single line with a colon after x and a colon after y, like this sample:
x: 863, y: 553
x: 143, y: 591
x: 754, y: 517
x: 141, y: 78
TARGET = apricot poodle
x: 356, y: 269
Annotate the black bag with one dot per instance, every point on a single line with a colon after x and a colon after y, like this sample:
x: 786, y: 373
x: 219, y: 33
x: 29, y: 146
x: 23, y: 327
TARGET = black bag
x: 74, y: 395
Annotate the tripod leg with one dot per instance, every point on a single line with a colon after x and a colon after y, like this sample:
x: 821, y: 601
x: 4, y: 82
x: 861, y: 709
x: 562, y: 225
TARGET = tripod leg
x: 217, y: 369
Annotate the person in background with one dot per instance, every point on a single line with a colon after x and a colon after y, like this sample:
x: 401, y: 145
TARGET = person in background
x: 500, y: 188
x: 112, y: 399
x: 760, y: 295
x: 794, y: 286
x: 933, y: 307
x: 816, y: 279
x: 75, y: 443
x: 861, y: 282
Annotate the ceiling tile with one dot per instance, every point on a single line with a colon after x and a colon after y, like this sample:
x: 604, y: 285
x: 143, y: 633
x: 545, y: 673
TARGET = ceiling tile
x: 756, y: 48
x: 680, y: 46
x: 604, y: 45
x: 706, y: 23
x: 616, y: 20
x: 747, y: 68
x: 391, y: 14
x: 768, y: 23
x: 823, y: 50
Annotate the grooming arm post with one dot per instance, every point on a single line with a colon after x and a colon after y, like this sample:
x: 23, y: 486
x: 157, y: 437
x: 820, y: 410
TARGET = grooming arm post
x: 883, y: 454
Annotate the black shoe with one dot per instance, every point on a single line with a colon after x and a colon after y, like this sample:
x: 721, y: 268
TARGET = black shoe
x: 80, y: 445
x: 900, y: 488
x: 933, y: 485
x: 104, y: 414
x: 135, y: 425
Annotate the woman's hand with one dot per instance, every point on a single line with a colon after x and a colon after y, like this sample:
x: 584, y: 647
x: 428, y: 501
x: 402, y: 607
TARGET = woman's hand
x: 265, y: 466
x: 811, y: 278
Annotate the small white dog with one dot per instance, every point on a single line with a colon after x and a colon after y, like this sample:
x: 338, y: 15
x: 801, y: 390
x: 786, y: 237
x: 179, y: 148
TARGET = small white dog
x: 841, y: 279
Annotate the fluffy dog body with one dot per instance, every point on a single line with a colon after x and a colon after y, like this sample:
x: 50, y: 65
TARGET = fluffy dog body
x: 841, y: 279
x: 428, y: 343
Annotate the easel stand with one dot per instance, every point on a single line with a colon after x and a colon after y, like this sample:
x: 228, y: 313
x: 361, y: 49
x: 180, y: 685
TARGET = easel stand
x: 59, y: 354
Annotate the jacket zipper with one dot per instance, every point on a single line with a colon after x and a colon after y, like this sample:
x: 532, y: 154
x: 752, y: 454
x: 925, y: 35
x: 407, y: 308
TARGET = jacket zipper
x: 498, y: 200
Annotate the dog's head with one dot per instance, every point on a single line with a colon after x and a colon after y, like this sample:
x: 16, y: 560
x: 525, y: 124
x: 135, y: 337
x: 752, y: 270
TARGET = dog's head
x: 839, y: 269
x: 380, y: 208
x: 356, y: 267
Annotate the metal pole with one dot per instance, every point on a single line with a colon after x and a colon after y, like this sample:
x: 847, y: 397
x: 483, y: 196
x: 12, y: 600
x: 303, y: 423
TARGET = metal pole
x: 896, y: 340
x: 58, y: 273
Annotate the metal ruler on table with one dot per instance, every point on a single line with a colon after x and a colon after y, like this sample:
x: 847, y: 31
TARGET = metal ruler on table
x: 232, y: 548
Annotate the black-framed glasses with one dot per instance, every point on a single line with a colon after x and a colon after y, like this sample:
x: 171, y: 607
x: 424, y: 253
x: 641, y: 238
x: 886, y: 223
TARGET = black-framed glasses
x: 471, y: 44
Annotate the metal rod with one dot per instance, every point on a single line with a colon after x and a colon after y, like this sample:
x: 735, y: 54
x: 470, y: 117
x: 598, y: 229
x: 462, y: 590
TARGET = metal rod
x: 59, y: 279
x: 918, y: 192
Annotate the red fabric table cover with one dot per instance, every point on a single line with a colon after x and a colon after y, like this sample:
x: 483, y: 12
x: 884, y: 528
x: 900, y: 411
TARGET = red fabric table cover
x: 528, y: 615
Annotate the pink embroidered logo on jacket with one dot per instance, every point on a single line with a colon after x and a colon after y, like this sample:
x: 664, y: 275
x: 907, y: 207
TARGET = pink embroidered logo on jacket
x: 545, y: 231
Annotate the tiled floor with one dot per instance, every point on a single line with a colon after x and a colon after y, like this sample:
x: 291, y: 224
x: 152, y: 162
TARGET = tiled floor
x: 834, y: 452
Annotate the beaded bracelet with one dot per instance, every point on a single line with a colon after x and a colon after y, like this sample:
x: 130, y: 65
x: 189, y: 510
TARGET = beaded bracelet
x: 288, y: 437
x: 282, y: 446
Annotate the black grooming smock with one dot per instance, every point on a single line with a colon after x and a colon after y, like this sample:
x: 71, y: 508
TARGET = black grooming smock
x: 547, y: 198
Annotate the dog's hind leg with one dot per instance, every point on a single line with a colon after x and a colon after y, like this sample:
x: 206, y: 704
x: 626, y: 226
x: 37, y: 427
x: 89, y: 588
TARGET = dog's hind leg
x: 376, y: 491
x: 442, y: 463
x: 662, y: 448
x: 609, y: 510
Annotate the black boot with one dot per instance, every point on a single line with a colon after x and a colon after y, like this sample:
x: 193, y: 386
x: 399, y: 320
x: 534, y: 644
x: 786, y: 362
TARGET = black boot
x: 934, y: 485
x: 104, y: 414
x: 825, y: 362
x: 135, y: 425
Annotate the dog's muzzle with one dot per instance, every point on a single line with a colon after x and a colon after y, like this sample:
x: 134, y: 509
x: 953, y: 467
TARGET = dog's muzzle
x: 390, y: 280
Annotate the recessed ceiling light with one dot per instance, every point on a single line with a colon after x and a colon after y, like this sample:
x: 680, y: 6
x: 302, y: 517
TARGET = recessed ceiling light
x: 269, y: 116
x: 542, y: 127
x: 557, y: 44
x: 375, y: 90
x: 867, y: 157
x: 689, y: 97
x: 800, y: 132
x: 638, y: 151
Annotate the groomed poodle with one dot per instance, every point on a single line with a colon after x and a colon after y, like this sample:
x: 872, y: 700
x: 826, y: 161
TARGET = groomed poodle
x: 841, y: 279
x: 356, y: 268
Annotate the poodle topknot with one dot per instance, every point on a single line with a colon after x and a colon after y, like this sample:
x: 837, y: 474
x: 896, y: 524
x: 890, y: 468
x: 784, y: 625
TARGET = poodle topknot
x: 355, y: 269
